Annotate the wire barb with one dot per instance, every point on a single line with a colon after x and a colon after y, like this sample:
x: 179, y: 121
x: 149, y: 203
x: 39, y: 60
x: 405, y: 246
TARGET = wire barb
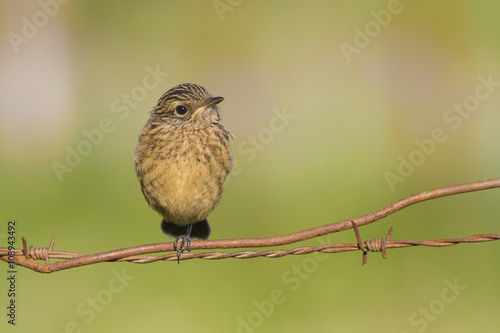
x: 38, y: 253
x: 372, y: 245
x: 379, y: 244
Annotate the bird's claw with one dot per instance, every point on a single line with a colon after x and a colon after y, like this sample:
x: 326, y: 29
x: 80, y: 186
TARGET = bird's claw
x: 185, y: 244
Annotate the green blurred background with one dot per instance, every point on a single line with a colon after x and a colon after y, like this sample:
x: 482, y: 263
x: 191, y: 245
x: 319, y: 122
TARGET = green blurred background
x: 66, y: 68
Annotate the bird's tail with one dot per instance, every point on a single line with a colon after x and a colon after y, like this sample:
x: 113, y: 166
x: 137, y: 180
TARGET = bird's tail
x: 201, y: 229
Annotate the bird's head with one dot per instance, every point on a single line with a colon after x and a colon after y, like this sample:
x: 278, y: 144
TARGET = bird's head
x: 188, y: 105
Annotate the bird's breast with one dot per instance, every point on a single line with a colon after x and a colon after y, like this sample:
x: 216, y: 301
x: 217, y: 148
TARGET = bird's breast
x: 182, y: 174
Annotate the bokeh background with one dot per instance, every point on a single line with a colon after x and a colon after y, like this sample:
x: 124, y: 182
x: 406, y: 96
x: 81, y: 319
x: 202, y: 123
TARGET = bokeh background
x: 325, y: 98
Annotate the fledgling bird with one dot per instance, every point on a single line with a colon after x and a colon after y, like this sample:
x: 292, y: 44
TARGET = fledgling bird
x: 182, y: 159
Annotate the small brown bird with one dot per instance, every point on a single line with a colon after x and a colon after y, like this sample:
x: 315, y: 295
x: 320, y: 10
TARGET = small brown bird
x: 182, y: 159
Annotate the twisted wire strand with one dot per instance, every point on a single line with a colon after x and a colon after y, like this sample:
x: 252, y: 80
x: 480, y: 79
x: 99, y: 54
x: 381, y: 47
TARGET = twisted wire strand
x: 373, y: 245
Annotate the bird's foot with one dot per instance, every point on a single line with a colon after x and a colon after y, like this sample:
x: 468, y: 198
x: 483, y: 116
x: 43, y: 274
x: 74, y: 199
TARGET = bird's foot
x: 185, y: 244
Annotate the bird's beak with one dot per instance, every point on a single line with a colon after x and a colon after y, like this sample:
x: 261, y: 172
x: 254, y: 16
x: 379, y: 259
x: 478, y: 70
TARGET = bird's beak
x: 214, y: 100
x: 211, y: 102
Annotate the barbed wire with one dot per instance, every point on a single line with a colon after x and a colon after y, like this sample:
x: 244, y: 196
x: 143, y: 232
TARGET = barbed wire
x: 141, y: 254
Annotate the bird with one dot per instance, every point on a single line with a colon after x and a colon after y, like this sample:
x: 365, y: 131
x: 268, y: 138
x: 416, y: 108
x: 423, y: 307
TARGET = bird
x: 182, y: 159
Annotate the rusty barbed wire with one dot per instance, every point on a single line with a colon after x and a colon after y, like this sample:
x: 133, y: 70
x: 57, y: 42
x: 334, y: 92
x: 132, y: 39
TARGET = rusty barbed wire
x: 373, y: 245
x: 140, y: 254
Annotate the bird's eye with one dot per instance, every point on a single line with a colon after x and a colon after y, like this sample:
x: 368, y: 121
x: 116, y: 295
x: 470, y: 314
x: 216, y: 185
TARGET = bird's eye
x: 181, y: 110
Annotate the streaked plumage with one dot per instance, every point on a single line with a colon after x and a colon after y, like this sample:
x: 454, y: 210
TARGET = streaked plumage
x: 182, y: 159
